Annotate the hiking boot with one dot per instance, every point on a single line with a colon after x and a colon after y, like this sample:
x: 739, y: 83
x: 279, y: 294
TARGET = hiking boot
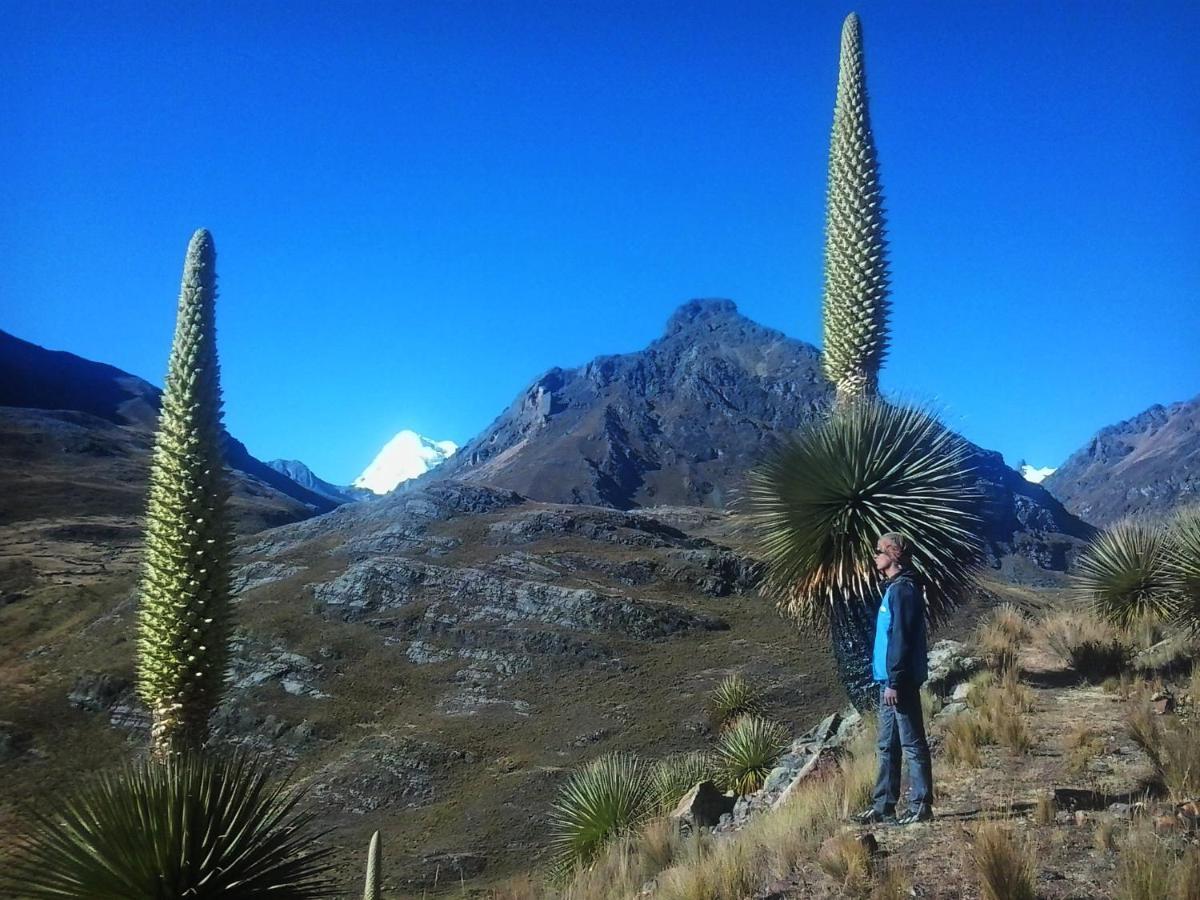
x: 872, y: 816
x: 916, y: 815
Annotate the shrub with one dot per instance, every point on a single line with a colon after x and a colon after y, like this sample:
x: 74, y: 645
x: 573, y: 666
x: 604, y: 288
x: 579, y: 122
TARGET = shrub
x: 675, y: 775
x: 1005, y: 866
x: 1092, y: 648
x: 1183, y: 567
x: 733, y: 698
x: 607, y: 798
x: 192, y: 825
x: 747, y: 752
x: 1145, y: 868
x: 1174, y: 750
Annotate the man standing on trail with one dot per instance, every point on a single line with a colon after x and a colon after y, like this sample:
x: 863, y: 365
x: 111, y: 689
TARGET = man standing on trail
x: 898, y: 665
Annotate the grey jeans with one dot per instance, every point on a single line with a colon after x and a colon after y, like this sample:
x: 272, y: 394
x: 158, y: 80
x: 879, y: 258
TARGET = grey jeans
x: 902, y: 733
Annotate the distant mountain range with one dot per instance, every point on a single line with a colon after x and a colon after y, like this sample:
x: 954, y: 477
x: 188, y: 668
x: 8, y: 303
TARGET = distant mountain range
x: 1148, y: 465
x: 73, y: 427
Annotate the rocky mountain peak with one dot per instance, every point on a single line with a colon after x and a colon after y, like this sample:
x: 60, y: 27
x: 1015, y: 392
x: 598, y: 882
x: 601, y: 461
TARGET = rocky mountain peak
x: 705, y: 314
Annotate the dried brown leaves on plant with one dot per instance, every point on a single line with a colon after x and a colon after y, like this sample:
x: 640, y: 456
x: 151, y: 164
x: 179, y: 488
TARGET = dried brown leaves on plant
x: 1005, y: 864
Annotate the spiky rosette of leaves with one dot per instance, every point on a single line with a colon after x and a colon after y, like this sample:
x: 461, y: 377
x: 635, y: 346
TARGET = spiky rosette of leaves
x: 610, y: 796
x: 183, y: 619
x: 822, y: 499
x: 747, y: 752
x: 855, y: 299
x: 733, y: 697
x: 1124, y: 574
x: 675, y: 775
x: 1183, y: 566
x: 192, y: 826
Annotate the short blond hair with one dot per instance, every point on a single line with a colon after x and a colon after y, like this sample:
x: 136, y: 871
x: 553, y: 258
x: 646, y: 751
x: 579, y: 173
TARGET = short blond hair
x: 900, y: 542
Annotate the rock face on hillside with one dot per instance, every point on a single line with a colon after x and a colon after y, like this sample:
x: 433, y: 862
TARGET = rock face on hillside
x: 1149, y: 464
x: 678, y: 423
x: 434, y: 663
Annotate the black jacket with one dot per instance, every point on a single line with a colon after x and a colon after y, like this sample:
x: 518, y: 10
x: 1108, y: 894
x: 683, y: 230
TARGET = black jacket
x: 907, y: 654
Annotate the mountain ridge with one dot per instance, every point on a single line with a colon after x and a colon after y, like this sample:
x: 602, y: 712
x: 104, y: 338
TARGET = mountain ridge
x: 1147, y: 464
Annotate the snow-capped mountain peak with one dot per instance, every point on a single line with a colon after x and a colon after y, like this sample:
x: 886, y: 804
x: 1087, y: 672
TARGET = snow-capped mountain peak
x: 1036, y: 475
x: 405, y: 456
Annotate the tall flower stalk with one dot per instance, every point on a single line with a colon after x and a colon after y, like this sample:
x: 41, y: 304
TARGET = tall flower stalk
x: 855, y: 300
x: 183, y: 619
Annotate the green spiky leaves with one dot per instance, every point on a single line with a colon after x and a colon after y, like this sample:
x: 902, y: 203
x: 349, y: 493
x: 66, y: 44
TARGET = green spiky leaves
x: 1137, y: 568
x: 747, y: 752
x: 609, y: 797
x: 820, y: 501
x: 194, y: 826
x: 855, y: 300
x: 183, y: 619
x: 1122, y: 573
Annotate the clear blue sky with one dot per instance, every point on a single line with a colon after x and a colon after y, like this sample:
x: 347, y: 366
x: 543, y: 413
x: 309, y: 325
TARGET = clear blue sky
x: 420, y: 206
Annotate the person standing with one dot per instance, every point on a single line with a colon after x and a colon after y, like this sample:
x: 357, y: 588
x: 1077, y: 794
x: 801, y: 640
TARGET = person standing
x: 899, y: 667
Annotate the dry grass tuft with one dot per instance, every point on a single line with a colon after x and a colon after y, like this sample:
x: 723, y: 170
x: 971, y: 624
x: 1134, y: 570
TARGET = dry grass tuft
x: 845, y: 859
x: 1045, y: 809
x: 1174, y: 750
x: 1145, y: 868
x: 1105, y: 837
x: 522, y: 886
x: 1005, y: 865
x: 999, y: 637
x: 1093, y: 648
x: 771, y: 846
x: 1081, y: 745
x: 962, y: 735
x: 659, y: 843
x: 1187, y: 875
x: 892, y: 882
x: 978, y: 686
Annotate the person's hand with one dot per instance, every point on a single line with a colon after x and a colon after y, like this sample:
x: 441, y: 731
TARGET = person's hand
x: 889, y: 697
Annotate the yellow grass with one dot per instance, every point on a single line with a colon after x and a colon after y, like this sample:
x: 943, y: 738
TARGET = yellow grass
x: 1005, y: 864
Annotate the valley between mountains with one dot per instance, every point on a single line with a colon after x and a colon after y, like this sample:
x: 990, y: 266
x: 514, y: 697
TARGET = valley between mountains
x: 434, y: 663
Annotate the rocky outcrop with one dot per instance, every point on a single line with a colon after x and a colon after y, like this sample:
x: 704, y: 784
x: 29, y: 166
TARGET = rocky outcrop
x: 1147, y: 465
x: 678, y: 423
x: 681, y: 422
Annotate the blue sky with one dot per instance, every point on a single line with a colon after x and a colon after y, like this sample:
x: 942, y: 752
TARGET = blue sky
x: 418, y: 207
